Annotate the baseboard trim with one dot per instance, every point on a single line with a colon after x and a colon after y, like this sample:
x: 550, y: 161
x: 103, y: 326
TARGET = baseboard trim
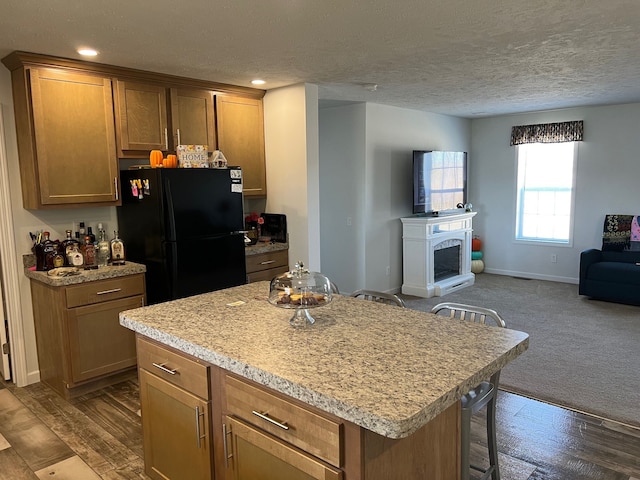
x: 532, y: 276
x: 32, y: 377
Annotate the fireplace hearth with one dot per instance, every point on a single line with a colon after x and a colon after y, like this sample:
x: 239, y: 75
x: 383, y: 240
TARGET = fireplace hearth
x: 437, y: 254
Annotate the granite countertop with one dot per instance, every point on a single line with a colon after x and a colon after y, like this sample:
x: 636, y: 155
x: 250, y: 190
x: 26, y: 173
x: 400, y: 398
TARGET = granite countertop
x: 265, y: 247
x: 388, y: 369
x: 102, y: 273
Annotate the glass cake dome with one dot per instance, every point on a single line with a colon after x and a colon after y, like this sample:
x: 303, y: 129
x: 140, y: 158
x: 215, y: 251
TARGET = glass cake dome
x: 300, y: 290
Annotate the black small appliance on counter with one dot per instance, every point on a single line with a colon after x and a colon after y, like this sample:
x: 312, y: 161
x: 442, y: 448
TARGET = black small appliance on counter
x: 274, y: 226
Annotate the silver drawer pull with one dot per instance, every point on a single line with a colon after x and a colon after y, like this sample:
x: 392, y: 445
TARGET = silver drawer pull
x: 104, y: 292
x: 267, y: 262
x: 199, y: 436
x: 265, y: 416
x: 227, y: 455
x: 161, y: 366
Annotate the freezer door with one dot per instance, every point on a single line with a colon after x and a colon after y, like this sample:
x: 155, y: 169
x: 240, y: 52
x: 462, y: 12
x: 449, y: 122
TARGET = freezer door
x: 201, y: 202
x: 204, y: 265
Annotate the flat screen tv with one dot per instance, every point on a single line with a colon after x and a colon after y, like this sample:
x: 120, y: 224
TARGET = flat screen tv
x: 439, y: 181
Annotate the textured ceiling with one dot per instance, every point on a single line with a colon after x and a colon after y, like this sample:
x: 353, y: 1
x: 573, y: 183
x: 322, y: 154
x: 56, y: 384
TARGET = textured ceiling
x: 459, y: 57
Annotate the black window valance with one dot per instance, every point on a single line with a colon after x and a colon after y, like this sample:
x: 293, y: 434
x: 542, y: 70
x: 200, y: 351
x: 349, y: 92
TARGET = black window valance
x: 548, y: 133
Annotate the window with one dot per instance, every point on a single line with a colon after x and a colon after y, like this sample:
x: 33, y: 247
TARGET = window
x: 545, y: 189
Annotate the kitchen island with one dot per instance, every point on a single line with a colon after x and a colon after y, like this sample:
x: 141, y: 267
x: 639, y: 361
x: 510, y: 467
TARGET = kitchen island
x: 387, y: 378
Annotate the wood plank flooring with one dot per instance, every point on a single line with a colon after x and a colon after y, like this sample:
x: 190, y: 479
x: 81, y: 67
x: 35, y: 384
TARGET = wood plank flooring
x: 99, y: 436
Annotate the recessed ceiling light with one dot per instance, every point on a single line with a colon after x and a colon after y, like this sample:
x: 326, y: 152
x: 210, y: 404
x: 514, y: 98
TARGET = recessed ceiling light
x: 257, y: 81
x: 87, y: 52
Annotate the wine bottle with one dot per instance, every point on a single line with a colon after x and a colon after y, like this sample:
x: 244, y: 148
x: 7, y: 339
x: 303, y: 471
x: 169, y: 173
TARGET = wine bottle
x: 75, y: 257
x: 117, y: 249
x: 82, y: 232
x: 67, y: 246
x: 103, y: 250
x: 90, y: 234
x: 89, y: 252
x: 40, y: 254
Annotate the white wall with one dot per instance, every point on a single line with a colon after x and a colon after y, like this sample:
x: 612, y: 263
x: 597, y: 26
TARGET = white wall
x: 606, y: 182
x: 291, y: 145
x: 342, y: 194
x: 382, y: 186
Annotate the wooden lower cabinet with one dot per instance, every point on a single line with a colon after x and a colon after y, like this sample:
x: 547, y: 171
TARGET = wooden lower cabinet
x: 81, y: 344
x: 258, y: 455
x: 176, y: 430
x: 176, y: 418
x: 265, y: 266
x: 202, y: 422
x: 98, y: 344
x: 263, y: 427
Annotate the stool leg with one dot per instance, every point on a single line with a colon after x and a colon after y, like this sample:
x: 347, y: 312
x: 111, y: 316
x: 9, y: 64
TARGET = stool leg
x: 465, y: 443
x: 491, y: 437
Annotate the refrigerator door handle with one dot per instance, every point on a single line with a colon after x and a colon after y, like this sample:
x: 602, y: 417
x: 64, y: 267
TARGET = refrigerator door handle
x: 173, y: 267
x: 170, y: 213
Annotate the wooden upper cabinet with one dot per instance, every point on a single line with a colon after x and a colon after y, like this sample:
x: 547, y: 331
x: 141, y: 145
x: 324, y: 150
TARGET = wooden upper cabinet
x: 241, y: 139
x: 142, y: 117
x: 68, y: 152
x: 144, y: 123
x: 193, y: 117
x: 75, y: 120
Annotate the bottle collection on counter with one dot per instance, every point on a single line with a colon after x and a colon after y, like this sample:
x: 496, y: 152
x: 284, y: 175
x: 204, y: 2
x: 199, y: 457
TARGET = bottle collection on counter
x: 81, y: 250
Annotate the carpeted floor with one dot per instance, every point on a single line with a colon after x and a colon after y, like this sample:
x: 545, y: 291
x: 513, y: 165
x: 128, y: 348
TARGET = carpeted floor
x: 583, y: 354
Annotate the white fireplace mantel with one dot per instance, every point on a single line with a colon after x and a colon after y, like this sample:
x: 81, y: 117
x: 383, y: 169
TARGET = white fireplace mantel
x: 421, y: 237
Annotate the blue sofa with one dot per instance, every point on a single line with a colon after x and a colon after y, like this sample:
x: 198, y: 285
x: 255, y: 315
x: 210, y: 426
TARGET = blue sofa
x: 610, y: 275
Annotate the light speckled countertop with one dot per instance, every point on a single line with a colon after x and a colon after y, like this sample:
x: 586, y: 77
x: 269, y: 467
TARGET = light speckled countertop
x: 103, y: 273
x: 264, y: 247
x: 387, y: 369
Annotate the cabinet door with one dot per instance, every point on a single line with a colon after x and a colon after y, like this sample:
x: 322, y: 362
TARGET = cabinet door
x: 74, y: 139
x: 98, y: 344
x: 142, y: 117
x: 192, y: 117
x: 176, y: 431
x: 255, y: 455
x: 241, y: 139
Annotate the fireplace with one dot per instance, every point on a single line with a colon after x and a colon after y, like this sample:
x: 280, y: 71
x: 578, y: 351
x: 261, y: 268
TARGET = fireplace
x: 446, y: 262
x: 436, y: 254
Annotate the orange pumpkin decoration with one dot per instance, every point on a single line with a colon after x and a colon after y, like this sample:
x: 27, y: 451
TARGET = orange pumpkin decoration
x: 170, y: 162
x: 155, y: 158
x: 476, y: 244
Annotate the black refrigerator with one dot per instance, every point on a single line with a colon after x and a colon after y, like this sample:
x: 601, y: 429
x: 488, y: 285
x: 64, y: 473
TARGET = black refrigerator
x: 186, y: 225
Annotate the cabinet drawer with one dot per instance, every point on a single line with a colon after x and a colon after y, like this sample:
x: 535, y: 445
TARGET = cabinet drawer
x: 176, y: 368
x: 266, y: 261
x: 286, y: 420
x: 104, y: 290
x: 266, y: 274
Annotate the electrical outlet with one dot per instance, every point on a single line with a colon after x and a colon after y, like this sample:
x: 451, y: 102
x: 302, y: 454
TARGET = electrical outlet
x: 388, y: 270
x: 349, y: 221
x: 554, y: 258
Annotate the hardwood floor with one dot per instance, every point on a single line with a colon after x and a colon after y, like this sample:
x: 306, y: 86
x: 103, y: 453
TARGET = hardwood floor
x: 95, y: 436
x: 98, y: 436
